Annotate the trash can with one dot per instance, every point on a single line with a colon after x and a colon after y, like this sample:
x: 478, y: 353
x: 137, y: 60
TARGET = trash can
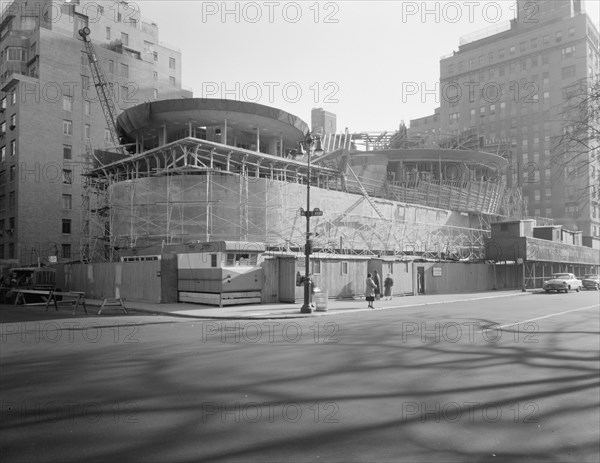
x: 320, y: 300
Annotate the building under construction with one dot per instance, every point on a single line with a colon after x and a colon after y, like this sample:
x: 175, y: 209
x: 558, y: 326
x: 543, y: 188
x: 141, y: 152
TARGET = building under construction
x: 204, y: 170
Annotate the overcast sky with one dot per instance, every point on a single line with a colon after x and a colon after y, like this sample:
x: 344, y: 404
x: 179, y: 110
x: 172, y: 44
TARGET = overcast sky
x: 358, y: 59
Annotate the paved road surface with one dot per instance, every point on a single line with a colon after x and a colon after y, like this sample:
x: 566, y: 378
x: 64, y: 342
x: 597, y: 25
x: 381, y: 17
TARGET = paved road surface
x: 455, y: 382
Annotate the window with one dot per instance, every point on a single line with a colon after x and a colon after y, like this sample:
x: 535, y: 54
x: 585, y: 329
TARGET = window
x: 124, y: 70
x: 241, y: 260
x: 213, y: 260
x: 3, y: 154
x: 155, y: 75
x: 107, y: 136
x: 66, y: 225
x: 523, y: 65
x: 536, y: 197
x: 125, y: 38
x: 84, y: 59
x: 344, y: 268
x: 107, y: 33
x: 548, y: 193
x: 569, y: 71
x: 87, y: 107
x: 11, y: 250
x: 534, y: 42
x: 501, y: 53
x: 13, y: 121
x: 85, y: 83
x: 512, y: 49
x: 67, y: 176
x: 11, y: 200
x: 12, y: 173
x: 171, y: 63
x: 522, y: 46
x: 14, y: 54
x: 67, y: 127
x: 316, y: 267
x: 571, y: 31
x: 13, y: 97
x: 3, y: 103
x: 559, y: 36
x: 13, y: 148
x: 67, y: 151
x: 87, y: 131
x: 155, y: 55
x: 545, y: 79
x: 567, y: 52
x: 545, y: 39
x: 111, y: 66
x: 66, y: 251
x: 67, y: 103
x: 155, y: 93
x: 534, y: 60
x: 67, y: 202
x: 548, y: 212
x: 172, y: 81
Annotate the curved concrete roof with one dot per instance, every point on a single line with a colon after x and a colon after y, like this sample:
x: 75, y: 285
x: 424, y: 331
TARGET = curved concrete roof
x: 434, y: 155
x: 147, y: 119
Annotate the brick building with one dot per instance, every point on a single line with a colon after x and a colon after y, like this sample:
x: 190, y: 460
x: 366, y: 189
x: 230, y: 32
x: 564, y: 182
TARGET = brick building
x: 50, y: 116
x: 511, y: 85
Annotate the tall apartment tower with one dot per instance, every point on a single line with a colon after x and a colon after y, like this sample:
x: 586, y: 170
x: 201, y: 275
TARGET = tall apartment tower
x: 51, y: 118
x: 512, y: 85
x: 322, y: 121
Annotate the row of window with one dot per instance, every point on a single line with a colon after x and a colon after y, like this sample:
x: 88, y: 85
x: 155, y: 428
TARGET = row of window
x: 66, y: 252
x: 511, y: 50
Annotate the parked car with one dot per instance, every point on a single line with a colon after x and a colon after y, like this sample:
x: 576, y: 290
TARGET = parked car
x: 591, y: 281
x: 562, y: 282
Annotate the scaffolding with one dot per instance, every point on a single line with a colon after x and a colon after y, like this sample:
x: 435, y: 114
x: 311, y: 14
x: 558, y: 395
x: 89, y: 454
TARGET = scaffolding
x: 195, y: 190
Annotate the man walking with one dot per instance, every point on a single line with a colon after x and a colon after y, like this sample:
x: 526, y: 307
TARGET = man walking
x: 378, y: 283
x: 387, y: 285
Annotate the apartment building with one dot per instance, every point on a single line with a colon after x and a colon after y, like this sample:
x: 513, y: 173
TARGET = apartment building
x: 510, y: 88
x: 513, y: 85
x: 51, y: 118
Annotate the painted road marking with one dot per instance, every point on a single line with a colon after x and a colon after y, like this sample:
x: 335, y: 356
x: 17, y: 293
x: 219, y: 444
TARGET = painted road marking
x: 540, y: 318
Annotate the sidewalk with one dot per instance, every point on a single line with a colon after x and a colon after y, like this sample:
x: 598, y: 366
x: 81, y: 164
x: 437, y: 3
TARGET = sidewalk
x: 279, y: 311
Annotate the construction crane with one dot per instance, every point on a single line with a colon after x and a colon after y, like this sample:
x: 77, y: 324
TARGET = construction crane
x: 102, y: 87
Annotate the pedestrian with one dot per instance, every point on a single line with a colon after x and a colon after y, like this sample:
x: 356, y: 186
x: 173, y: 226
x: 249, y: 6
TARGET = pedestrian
x: 387, y: 285
x: 378, y: 283
x: 370, y: 291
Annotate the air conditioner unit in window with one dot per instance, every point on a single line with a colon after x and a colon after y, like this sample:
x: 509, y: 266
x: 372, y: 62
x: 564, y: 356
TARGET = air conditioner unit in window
x: 13, y: 127
x: 1, y: 134
x: 1, y: 110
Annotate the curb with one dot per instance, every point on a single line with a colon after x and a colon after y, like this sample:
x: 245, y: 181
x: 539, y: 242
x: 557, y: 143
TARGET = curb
x: 317, y: 314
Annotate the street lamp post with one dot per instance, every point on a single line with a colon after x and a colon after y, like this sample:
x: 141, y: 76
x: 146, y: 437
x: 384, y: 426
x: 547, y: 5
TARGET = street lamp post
x: 312, y: 145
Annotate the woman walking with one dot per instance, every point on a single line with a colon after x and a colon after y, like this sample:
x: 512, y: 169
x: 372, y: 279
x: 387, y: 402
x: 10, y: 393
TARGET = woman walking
x: 370, y: 291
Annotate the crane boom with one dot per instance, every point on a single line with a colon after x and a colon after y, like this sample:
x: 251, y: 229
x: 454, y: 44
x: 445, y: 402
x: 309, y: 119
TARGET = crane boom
x: 106, y: 102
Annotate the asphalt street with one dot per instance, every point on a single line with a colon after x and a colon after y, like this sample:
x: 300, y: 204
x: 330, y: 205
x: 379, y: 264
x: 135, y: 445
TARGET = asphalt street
x: 504, y: 379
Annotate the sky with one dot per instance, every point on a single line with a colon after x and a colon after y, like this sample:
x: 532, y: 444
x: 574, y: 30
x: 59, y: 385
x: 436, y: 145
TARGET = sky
x: 372, y: 63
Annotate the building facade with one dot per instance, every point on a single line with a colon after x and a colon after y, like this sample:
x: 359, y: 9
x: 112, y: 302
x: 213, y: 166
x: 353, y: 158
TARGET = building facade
x: 322, y: 121
x: 51, y: 119
x: 514, y: 85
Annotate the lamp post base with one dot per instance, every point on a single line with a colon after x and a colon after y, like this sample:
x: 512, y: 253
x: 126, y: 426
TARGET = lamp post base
x: 306, y: 308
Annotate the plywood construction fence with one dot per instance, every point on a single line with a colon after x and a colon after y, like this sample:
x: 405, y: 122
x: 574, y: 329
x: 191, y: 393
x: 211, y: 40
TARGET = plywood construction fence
x: 144, y: 281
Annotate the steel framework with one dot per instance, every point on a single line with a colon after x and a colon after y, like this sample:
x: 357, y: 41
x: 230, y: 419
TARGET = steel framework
x: 193, y: 189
